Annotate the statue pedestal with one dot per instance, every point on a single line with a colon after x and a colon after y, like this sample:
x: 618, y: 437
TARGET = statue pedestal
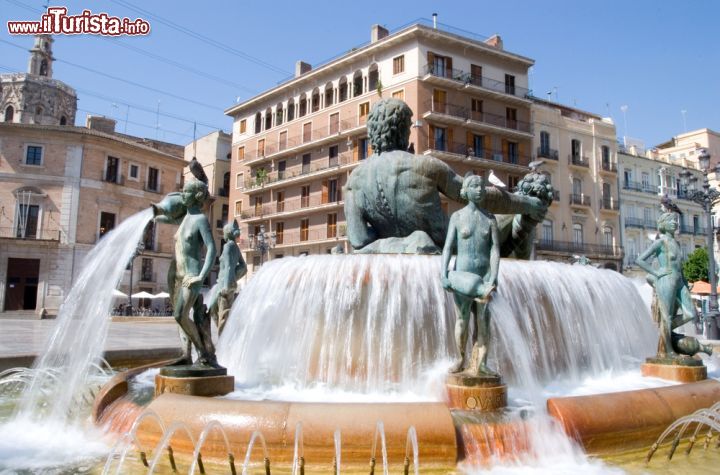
x: 194, y: 381
x: 475, y: 393
x: 683, y: 369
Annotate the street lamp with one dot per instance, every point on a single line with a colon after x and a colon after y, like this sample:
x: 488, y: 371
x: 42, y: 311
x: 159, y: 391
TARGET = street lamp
x: 262, y: 242
x: 707, y: 197
x: 138, y: 250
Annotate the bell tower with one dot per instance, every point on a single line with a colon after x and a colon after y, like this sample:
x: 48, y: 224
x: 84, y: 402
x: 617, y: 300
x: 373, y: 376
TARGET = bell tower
x: 41, y: 58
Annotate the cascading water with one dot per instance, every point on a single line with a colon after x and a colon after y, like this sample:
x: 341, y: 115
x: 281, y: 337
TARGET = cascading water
x: 48, y: 407
x: 382, y: 324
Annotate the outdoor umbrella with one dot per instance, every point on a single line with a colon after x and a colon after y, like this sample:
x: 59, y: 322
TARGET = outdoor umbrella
x: 143, y: 295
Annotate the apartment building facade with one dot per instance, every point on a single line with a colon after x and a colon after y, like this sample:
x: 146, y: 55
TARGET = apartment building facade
x: 579, y: 153
x: 646, y: 177
x: 213, y: 153
x: 295, y: 145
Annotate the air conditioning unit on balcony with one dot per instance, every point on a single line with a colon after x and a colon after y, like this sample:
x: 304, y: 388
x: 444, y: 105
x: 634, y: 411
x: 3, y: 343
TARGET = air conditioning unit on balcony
x: 498, y: 157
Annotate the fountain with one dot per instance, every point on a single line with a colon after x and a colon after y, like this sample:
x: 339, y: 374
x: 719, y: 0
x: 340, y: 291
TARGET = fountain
x: 335, y: 370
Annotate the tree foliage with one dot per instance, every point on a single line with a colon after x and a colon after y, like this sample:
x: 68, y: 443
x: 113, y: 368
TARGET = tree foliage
x: 696, y: 266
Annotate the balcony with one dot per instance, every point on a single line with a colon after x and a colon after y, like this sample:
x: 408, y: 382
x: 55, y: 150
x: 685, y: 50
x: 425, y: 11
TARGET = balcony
x: 314, y: 169
x: 579, y: 199
x: 567, y: 247
x: 30, y: 235
x: 547, y: 153
x: 304, y: 236
x: 460, y: 115
x: 609, y: 166
x: 632, y: 186
x: 579, y: 161
x: 117, y: 179
x: 303, y: 141
x: 147, y: 277
x: 292, y: 206
x: 631, y: 222
x: 462, y: 152
x: 475, y: 82
x: 156, y: 188
x: 610, y: 204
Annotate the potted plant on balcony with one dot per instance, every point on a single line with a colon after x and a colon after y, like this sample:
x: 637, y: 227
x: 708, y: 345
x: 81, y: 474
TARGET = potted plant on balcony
x: 260, y: 176
x: 342, y: 230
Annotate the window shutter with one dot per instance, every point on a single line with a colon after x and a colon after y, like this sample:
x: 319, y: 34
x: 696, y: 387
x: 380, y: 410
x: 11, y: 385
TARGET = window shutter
x: 521, y: 153
x: 355, y: 150
x: 488, y: 147
x: 505, y: 150
x: 469, y: 139
x: 324, y: 197
x: 448, y: 67
x: 430, y: 60
x: 449, y: 146
x: 431, y: 137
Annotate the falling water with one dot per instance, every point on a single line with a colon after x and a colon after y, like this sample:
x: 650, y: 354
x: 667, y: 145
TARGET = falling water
x: 50, y: 406
x: 378, y: 324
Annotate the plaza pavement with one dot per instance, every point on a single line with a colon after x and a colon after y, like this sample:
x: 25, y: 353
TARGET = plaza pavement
x: 156, y: 338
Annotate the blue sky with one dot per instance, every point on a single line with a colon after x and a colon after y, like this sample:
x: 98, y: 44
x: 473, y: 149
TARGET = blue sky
x: 656, y: 57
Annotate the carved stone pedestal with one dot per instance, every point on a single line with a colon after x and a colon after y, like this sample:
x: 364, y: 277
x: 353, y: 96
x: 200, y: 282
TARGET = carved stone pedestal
x: 475, y: 393
x: 683, y: 369
x: 194, y: 381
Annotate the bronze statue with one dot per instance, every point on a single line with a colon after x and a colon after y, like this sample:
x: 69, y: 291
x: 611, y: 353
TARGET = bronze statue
x: 392, y: 199
x: 670, y: 291
x: 473, y: 237
x: 232, y: 268
x: 188, y: 270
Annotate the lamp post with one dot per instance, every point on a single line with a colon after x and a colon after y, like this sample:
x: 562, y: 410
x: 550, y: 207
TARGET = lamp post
x: 707, y: 197
x: 138, y: 250
x: 263, y: 242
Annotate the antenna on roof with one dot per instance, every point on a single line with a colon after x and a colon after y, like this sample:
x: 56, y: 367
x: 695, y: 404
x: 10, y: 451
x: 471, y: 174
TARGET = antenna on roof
x: 434, y: 15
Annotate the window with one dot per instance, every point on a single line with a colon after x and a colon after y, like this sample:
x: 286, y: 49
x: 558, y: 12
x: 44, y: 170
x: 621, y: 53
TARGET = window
x: 333, y: 156
x: 280, y: 201
x: 224, y: 214
x: 513, y: 152
x: 258, y: 123
x: 290, y: 110
x: 343, y: 89
x: 315, y: 100
x: 9, y: 114
x: 63, y: 120
x: 476, y: 74
x: 696, y: 222
x: 33, y: 155
x: 134, y: 171
x: 258, y: 206
x: 282, y: 164
x: 509, y: 84
x: 107, y: 223
x: 363, y: 149
x: 476, y: 109
x: 243, y: 126
x: 440, y: 138
x: 439, y: 101
x: 332, y: 225
x: 645, y: 177
x: 399, y: 64
x: 333, y: 191
x: 238, y: 207
x: 329, y: 94
x: 544, y: 144
x: 153, y: 183
x: 241, y: 153
x: 647, y: 216
x: 511, y: 117
x: 303, y: 105
x: 607, y: 236
x: 261, y: 148
x: 112, y: 165
x: 547, y: 231
x: 268, y: 118
x: 26, y: 225
x: 439, y: 65
x: 334, y: 123
x: 575, y: 149
x: 478, y: 146
x: 279, y: 233
x: 364, y: 110
x: 373, y: 78
x: 279, y: 115
x: 605, y: 150
x: 513, y: 181
x: 577, y: 187
x: 282, y: 140
x: 239, y: 181
x: 307, y: 132
x: 357, y: 83
x: 577, y: 233
x: 304, y: 229
x: 400, y: 95
x: 306, y: 163
x: 149, y: 236
x: 305, y: 196
x: 146, y: 273
x: 607, y: 194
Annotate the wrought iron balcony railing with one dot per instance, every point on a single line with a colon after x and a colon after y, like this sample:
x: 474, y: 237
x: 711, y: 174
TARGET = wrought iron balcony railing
x: 579, y: 248
x: 579, y: 199
x: 549, y: 153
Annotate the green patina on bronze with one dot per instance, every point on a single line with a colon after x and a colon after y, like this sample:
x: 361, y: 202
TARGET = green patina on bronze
x: 189, y: 269
x: 473, y: 238
x: 232, y: 268
x: 392, y: 199
x: 671, y: 295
